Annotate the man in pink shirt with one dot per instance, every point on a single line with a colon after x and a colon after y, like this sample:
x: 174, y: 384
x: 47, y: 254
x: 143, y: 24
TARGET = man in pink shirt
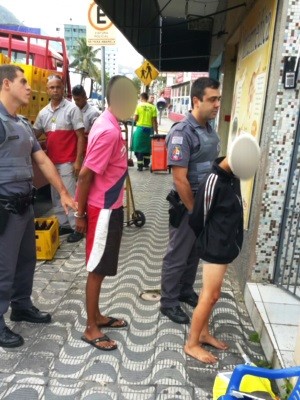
x: 100, y: 190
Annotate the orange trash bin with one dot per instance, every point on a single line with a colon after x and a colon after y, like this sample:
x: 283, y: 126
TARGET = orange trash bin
x: 159, y: 158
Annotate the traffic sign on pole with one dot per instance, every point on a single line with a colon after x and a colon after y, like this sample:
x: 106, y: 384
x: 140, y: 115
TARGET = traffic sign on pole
x: 147, y: 73
x: 100, y: 30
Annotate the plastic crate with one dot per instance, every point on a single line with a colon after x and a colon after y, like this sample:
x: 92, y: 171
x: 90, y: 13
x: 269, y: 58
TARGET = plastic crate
x: 43, y: 99
x: 4, y: 59
x: 32, y: 74
x: 44, y: 76
x: 47, y: 240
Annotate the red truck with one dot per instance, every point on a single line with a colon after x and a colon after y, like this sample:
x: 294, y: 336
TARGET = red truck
x: 40, y: 56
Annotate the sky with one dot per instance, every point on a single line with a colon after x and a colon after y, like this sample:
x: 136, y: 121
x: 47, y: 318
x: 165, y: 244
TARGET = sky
x: 49, y: 15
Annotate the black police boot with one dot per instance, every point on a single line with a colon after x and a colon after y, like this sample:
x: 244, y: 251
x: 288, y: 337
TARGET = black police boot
x: 74, y: 237
x: 9, y: 338
x: 31, y: 314
x: 175, y: 314
x: 191, y: 300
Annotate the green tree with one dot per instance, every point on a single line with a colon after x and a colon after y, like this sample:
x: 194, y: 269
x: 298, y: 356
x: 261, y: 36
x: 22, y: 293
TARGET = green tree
x: 97, y: 87
x: 85, y: 59
x: 137, y: 83
x: 161, y: 82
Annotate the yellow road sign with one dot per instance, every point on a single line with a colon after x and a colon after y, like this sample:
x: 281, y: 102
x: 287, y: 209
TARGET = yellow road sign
x: 147, y: 72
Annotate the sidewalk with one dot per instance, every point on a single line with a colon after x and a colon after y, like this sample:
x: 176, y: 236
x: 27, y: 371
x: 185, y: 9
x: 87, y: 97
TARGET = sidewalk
x: 165, y: 125
x: 149, y: 362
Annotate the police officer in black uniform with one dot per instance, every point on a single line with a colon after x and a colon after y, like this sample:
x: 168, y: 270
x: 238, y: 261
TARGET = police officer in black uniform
x: 18, y: 147
x: 192, y: 146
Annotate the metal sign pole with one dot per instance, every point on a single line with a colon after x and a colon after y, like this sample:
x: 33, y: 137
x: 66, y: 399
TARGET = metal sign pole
x: 103, y: 77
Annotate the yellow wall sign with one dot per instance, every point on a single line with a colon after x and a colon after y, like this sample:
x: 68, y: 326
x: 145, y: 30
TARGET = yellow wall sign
x: 251, y: 80
x: 147, y: 72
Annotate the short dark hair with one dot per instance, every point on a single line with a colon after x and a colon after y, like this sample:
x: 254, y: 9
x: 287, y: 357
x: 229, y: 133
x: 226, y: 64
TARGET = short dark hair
x: 199, y: 86
x: 78, y: 90
x: 144, y: 96
x: 9, y: 71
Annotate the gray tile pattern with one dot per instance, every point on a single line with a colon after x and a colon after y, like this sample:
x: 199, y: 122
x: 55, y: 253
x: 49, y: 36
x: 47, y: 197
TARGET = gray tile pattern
x: 149, y: 362
x: 282, y: 142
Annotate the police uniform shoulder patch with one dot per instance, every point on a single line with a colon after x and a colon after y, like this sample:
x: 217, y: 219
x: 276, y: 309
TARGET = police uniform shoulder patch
x: 176, y: 152
x: 177, y: 140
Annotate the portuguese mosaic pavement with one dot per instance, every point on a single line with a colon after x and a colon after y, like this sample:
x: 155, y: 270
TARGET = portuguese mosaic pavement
x: 149, y: 363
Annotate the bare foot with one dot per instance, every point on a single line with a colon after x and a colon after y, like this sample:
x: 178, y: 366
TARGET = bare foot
x: 200, y: 354
x: 212, y: 341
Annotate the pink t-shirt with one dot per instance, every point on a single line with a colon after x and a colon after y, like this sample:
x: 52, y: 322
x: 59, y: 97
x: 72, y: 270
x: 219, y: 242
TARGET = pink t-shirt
x: 106, y: 155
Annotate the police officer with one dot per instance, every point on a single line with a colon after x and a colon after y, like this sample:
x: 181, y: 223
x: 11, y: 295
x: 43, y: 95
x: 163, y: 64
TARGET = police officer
x: 18, y: 147
x: 192, y: 147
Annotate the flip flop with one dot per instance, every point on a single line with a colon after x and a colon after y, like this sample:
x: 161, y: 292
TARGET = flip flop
x: 93, y: 342
x: 111, y: 321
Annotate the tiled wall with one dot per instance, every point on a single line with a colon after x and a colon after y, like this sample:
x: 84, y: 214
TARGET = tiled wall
x: 283, y: 132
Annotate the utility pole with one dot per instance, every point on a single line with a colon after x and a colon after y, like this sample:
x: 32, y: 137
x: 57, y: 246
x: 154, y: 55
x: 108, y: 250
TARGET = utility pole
x: 103, y: 77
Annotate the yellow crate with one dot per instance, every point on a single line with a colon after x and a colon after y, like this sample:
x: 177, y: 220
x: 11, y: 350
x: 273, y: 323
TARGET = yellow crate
x: 31, y: 119
x: 33, y: 108
x: 34, y: 97
x: 44, y: 77
x: 47, y: 241
x: 43, y: 99
x: 4, y: 59
x: 32, y: 74
x: 24, y: 110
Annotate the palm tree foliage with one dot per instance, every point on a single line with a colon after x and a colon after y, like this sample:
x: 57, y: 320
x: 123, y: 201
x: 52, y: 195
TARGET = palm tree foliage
x: 85, y: 59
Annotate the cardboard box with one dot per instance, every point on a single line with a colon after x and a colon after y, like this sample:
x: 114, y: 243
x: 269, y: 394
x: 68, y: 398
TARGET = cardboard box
x: 46, y: 237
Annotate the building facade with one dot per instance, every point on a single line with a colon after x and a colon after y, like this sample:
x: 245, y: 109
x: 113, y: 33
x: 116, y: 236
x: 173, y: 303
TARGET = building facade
x: 111, y: 61
x: 71, y: 35
x: 252, y: 47
x: 257, y: 97
x: 74, y: 32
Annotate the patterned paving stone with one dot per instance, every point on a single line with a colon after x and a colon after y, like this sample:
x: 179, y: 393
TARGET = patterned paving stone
x: 173, y: 392
x: 149, y: 364
x: 24, y: 392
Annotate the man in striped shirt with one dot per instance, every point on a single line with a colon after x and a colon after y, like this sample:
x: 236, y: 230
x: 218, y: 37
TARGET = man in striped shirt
x: 61, y: 121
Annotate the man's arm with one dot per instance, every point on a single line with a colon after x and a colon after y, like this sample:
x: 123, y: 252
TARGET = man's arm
x: 50, y: 172
x: 80, y: 149
x: 37, y: 127
x: 85, y: 179
x: 199, y: 214
x: 154, y: 119
x: 183, y: 186
x: 155, y: 124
